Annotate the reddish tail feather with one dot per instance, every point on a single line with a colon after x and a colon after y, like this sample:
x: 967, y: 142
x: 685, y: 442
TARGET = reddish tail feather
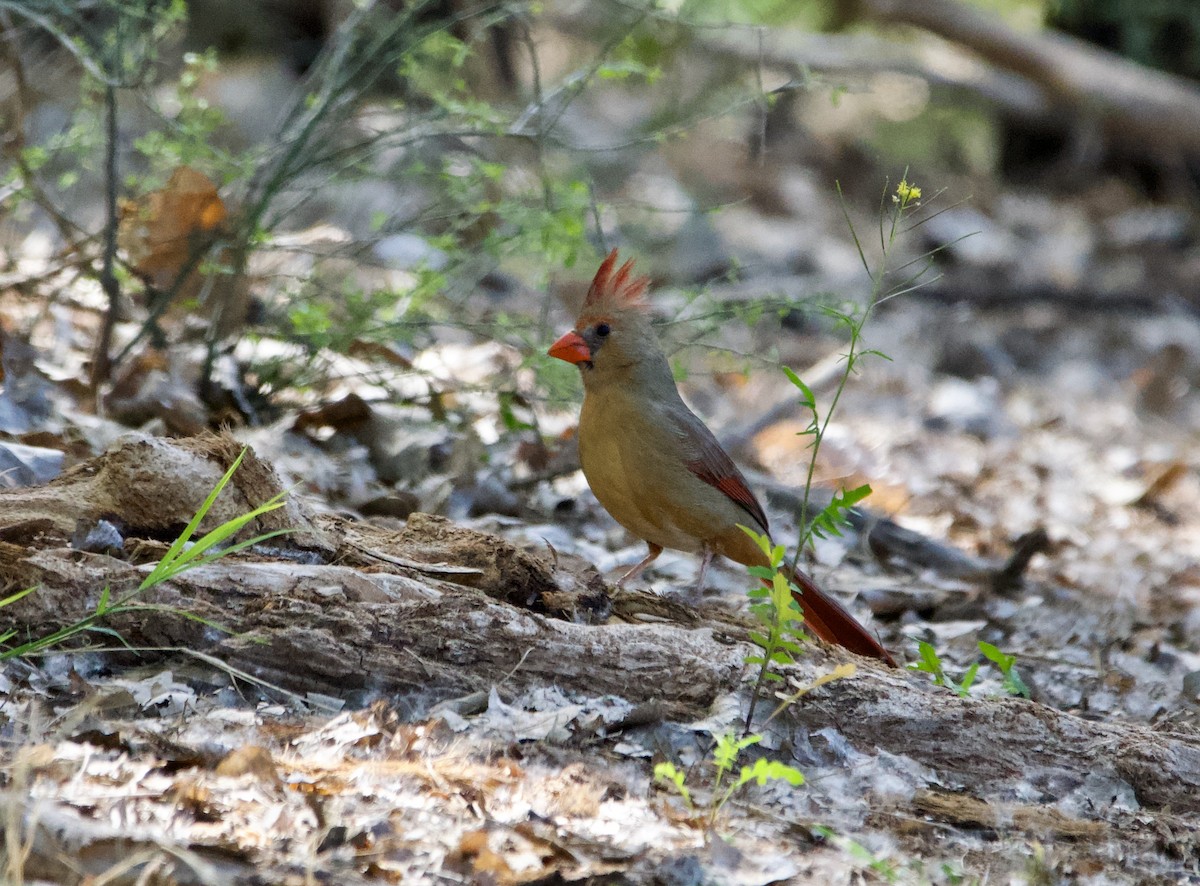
x: 826, y: 618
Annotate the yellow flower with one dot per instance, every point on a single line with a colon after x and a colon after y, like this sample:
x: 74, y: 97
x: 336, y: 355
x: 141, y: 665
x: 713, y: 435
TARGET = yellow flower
x: 906, y: 193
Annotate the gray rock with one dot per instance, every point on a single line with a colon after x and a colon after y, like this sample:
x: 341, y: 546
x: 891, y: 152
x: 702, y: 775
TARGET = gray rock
x: 22, y: 465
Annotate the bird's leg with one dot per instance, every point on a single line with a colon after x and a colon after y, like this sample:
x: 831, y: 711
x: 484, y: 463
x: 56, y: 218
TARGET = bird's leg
x: 706, y: 559
x: 633, y: 573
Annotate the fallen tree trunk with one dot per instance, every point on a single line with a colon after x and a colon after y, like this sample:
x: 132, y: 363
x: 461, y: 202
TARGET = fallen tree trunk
x: 1000, y: 745
x: 1041, y: 77
x: 1134, y: 105
x: 339, y: 630
x: 399, y: 614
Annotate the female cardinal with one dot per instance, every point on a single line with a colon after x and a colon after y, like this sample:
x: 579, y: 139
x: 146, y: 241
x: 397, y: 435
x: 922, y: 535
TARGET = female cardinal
x: 654, y: 465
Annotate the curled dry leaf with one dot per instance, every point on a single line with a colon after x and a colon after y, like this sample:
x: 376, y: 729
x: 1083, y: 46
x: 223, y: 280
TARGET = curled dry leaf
x: 165, y: 232
x: 162, y: 230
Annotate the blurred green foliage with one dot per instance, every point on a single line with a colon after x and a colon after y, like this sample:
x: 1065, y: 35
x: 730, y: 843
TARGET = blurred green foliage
x: 1162, y: 34
x: 963, y: 138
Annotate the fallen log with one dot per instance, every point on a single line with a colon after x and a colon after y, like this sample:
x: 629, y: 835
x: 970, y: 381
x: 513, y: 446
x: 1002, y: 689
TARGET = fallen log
x: 439, y: 615
x: 1135, y: 106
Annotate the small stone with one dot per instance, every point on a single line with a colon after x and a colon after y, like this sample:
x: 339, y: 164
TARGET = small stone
x: 399, y: 504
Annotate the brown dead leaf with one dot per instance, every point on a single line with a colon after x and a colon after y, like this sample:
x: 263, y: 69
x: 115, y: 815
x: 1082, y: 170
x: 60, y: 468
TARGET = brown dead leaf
x: 475, y: 856
x: 194, y: 799
x: 731, y: 381
x: 783, y: 445
x: 164, y: 232
x: 250, y: 759
x: 1163, y: 481
x: 161, y: 231
x: 533, y: 453
x: 125, y: 386
x: 150, y: 386
x: 389, y: 354
x: 325, y: 786
x: 346, y: 415
x: 35, y: 757
x: 43, y: 761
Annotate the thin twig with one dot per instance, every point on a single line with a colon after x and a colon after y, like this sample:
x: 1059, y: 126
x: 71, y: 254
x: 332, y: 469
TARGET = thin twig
x: 416, y: 565
x: 101, y: 362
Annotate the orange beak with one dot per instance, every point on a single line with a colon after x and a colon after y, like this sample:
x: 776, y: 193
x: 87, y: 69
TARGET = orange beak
x: 572, y: 348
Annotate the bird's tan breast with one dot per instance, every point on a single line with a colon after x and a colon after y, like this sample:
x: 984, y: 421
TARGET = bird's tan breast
x: 634, y: 467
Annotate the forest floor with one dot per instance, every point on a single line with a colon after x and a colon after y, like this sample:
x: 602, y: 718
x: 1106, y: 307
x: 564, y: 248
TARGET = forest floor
x: 373, y: 699
x: 385, y: 695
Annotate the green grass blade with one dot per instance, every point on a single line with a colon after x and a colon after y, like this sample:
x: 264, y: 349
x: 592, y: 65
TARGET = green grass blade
x: 226, y: 530
x: 13, y: 598
x: 173, y: 552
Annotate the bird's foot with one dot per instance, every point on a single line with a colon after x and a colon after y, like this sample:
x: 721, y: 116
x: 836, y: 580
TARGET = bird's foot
x: 693, y: 595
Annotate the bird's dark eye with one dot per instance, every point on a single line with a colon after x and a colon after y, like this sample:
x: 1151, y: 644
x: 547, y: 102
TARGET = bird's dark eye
x: 603, y: 329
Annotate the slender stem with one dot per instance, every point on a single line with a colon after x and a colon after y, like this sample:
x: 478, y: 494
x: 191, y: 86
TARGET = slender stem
x: 768, y: 655
x: 101, y: 363
x: 889, y: 229
x: 887, y: 237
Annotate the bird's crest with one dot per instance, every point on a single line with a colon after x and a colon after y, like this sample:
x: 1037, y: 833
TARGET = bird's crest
x: 616, y: 290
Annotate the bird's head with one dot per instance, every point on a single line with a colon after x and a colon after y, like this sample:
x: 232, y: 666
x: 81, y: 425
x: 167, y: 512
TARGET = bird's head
x: 613, y: 330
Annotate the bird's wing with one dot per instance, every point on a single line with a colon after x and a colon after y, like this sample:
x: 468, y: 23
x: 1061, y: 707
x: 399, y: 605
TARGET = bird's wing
x: 706, y: 459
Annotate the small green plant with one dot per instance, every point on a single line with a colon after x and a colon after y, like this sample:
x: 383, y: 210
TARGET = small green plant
x: 893, y: 215
x: 930, y: 662
x: 775, y: 607
x: 188, y: 133
x: 887, y: 870
x: 669, y: 772
x: 725, y: 754
x: 118, y: 48
x: 178, y: 558
x: 8, y: 601
x: 1006, y: 664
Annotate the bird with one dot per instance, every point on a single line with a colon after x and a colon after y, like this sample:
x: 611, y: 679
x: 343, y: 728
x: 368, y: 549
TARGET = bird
x: 655, y: 466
